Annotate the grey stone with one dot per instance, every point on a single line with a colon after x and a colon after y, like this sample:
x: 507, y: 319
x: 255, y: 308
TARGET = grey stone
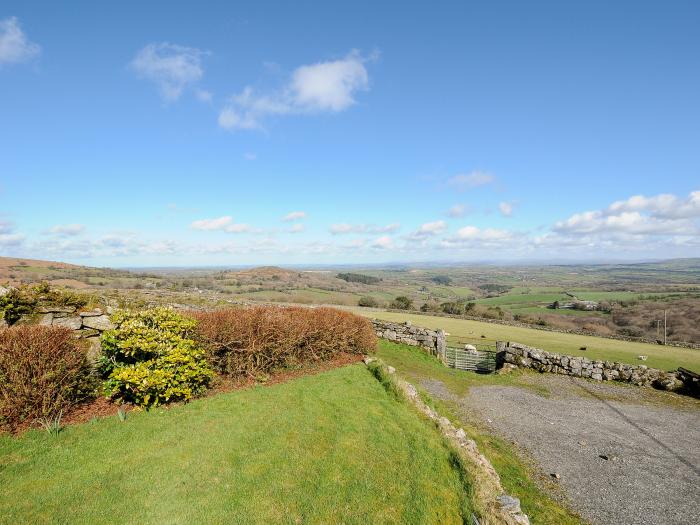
x: 509, y: 503
x: 100, y: 322
x: 92, y: 313
x: 56, y: 309
x: 46, y: 319
x: 74, y: 323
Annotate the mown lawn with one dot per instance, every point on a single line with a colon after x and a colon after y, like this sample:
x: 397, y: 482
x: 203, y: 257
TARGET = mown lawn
x: 328, y: 448
x: 463, y: 330
x: 517, y: 475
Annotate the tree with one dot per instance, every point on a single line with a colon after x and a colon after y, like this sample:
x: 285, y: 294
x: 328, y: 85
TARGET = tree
x: 402, y: 303
x: 441, y: 279
x: 368, y: 302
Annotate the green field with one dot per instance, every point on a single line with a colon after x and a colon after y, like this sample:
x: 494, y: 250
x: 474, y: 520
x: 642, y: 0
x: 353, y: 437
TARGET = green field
x: 329, y: 448
x: 463, y: 330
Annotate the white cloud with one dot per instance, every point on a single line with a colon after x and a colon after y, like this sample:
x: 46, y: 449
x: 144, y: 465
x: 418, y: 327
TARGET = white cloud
x: 203, y: 95
x: 429, y: 229
x: 67, y: 230
x: 11, y: 239
x: 294, y: 216
x: 212, y: 224
x: 458, y: 210
x: 467, y: 181
x: 383, y: 243
x: 342, y: 228
x: 663, y: 214
x: 322, y: 87
x: 15, y: 47
x: 171, y: 67
x: 296, y: 228
x: 6, y: 226
x: 506, y: 208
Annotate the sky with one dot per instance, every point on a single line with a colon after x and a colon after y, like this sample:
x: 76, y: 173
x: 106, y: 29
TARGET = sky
x: 241, y: 133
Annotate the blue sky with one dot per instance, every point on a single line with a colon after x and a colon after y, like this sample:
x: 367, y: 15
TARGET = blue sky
x: 166, y: 133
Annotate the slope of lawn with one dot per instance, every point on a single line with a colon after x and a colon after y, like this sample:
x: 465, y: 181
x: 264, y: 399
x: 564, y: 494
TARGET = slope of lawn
x: 328, y: 448
x: 517, y: 477
x: 464, y: 330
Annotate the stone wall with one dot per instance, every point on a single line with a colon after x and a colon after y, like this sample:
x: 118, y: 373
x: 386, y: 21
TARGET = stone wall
x: 526, y: 357
x: 85, y: 325
x: 432, y: 340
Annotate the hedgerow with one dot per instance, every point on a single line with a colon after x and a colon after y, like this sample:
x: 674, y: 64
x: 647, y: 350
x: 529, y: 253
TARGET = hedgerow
x: 253, y: 341
x: 43, y: 371
x: 149, y: 358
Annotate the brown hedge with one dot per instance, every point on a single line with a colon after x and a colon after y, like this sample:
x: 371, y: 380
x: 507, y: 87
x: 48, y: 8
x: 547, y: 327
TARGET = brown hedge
x: 250, y: 341
x: 43, y: 370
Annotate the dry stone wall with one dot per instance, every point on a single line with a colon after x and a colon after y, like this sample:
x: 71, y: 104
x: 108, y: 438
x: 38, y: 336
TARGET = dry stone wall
x: 526, y: 357
x: 434, y: 341
x: 85, y: 325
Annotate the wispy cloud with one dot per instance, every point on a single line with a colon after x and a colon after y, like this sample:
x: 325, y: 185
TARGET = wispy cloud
x: 429, y: 229
x: 456, y: 211
x: 294, y: 216
x: 328, y: 87
x: 343, y: 228
x: 224, y: 223
x: 15, y: 47
x: 171, y: 67
x: 67, y: 230
x: 468, y: 181
x: 296, y: 228
x: 506, y: 208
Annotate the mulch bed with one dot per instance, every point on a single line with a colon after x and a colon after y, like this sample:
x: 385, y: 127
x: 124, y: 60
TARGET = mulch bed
x: 102, y: 407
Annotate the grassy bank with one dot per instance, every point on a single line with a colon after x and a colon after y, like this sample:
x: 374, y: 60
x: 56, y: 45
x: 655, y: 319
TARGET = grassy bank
x: 329, y: 448
x: 517, y: 476
x: 664, y: 357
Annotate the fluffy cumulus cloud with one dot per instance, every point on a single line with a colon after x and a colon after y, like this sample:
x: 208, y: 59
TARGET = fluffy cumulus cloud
x: 383, y: 243
x: 171, y: 67
x: 224, y: 223
x: 67, y: 230
x: 468, y: 181
x: 15, y: 47
x: 294, y: 216
x: 663, y: 214
x: 8, y: 236
x: 323, y: 87
x: 343, y: 228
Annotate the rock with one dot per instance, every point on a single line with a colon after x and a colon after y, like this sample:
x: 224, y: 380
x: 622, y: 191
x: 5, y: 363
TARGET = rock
x: 86, y: 332
x: 94, y: 349
x: 4, y: 290
x: 367, y: 359
x: 92, y: 313
x: 74, y: 323
x: 46, y: 319
x: 555, y: 475
x: 642, y: 357
x: 100, y: 322
x: 509, y: 503
x: 391, y: 369
x: 3, y: 323
x: 56, y: 309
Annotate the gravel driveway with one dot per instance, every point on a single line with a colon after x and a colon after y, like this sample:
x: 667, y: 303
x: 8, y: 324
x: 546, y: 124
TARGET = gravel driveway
x: 621, y: 458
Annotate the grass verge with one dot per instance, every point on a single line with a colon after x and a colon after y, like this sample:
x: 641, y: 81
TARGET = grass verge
x: 328, y: 448
x: 518, y: 477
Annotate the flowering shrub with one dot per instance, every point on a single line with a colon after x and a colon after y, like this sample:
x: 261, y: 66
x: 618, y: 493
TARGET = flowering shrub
x: 150, y: 359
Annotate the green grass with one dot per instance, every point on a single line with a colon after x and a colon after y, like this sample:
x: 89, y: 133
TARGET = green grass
x: 463, y: 330
x: 330, y: 448
x: 516, y: 473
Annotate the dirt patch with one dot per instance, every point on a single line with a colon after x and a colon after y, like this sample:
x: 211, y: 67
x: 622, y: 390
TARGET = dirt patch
x: 622, y: 455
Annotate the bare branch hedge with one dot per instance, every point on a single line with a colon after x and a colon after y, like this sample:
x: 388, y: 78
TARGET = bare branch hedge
x: 250, y: 341
x: 43, y: 370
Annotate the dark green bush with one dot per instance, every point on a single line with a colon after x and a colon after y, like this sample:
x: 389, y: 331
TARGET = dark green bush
x: 149, y: 358
x: 358, y: 278
x: 402, y: 303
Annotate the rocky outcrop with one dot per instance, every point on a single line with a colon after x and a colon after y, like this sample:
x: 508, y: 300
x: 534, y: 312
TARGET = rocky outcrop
x: 526, y: 357
x: 434, y: 341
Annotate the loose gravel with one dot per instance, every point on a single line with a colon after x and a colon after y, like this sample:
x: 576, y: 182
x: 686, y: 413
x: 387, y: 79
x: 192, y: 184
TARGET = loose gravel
x: 619, y: 460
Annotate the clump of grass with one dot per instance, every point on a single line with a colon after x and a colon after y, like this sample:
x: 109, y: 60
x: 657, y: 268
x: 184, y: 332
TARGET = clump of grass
x: 121, y: 413
x: 52, y: 424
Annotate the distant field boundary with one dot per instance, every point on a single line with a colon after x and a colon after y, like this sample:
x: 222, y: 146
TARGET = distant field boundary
x: 678, y: 344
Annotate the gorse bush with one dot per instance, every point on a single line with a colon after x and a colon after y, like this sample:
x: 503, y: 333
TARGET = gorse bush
x: 43, y: 371
x: 149, y: 358
x: 252, y: 341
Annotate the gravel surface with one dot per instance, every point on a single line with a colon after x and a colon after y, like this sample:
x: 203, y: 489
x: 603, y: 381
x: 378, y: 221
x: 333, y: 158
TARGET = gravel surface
x: 618, y: 461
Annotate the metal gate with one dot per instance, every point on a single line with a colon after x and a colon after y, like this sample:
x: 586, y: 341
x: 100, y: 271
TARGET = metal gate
x: 479, y: 361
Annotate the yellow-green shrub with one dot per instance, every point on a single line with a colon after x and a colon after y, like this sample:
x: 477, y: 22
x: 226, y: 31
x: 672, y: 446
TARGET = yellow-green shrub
x: 150, y: 359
